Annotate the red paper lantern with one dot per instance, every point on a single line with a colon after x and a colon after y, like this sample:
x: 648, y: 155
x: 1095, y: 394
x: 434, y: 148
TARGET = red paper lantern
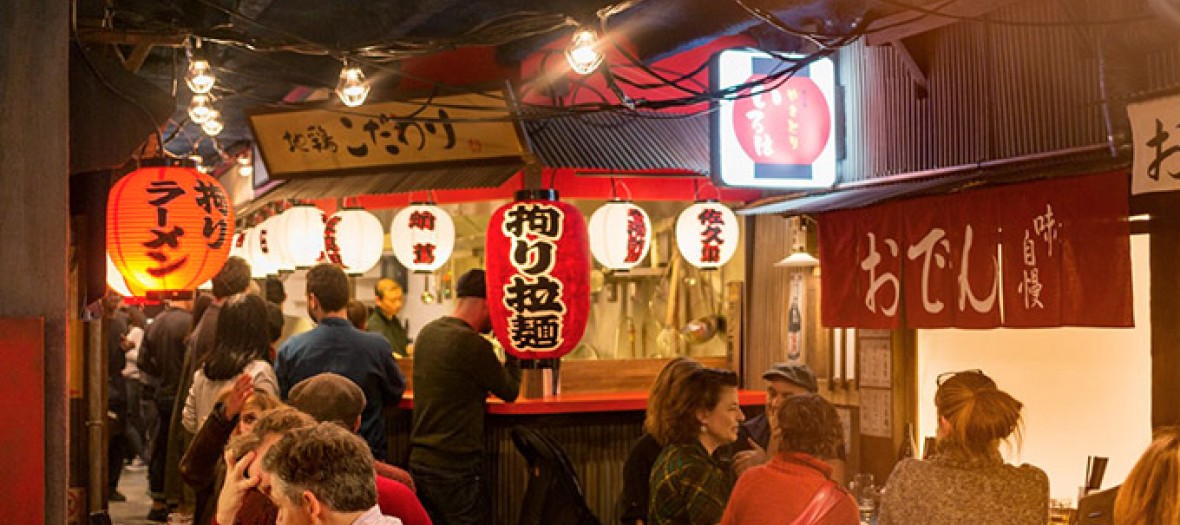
x: 538, y: 275
x: 169, y: 228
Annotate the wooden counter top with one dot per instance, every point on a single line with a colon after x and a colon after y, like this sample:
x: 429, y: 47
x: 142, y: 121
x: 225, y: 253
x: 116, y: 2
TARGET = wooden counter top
x: 582, y: 403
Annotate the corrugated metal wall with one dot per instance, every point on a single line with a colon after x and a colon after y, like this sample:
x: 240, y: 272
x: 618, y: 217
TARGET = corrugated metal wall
x: 995, y: 91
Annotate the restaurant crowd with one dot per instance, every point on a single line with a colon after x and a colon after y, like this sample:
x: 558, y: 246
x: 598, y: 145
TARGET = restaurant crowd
x: 248, y: 416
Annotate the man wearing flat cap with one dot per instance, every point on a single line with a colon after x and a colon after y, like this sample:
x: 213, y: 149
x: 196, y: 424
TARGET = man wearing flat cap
x: 783, y: 380
x: 454, y: 370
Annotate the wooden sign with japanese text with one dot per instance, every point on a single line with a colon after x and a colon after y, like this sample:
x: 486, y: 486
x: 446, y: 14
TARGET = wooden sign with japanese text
x: 1041, y: 254
x: 1155, y: 130
x: 471, y: 126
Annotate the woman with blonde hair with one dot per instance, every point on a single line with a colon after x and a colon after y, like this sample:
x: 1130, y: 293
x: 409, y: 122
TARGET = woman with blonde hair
x: 637, y: 469
x: 701, y: 413
x: 1151, y: 493
x: 967, y: 481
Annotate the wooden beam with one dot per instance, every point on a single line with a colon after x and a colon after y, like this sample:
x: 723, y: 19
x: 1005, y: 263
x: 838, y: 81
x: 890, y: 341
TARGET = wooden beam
x: 918, y: 70
x: 909, y: 22
x: 138, y: 55
x: 1165, y: 317
x: 131, y: 38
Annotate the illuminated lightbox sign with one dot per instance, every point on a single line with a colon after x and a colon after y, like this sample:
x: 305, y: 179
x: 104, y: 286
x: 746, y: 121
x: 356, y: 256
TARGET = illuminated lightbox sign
x: 783, y: 136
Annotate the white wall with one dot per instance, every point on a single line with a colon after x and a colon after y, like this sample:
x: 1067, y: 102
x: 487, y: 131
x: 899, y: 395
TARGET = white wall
x: 1086, y: 391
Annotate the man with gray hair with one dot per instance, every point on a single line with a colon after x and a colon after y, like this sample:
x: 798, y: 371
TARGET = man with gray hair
x: 323, y: 474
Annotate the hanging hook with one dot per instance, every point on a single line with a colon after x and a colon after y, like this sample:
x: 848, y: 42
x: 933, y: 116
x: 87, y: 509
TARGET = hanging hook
x: 626, y: 189
x: 716, y: 190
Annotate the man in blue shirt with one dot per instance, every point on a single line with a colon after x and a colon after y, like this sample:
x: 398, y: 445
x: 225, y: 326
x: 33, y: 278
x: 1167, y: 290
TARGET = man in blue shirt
x: 336, y: 346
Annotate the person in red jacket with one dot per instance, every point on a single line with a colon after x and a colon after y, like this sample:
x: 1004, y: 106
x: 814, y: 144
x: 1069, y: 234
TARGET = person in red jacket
x: 795, y: 486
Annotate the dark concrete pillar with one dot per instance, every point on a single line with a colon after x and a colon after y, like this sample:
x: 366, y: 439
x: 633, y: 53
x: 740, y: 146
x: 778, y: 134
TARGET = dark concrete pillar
x: 34, y: 175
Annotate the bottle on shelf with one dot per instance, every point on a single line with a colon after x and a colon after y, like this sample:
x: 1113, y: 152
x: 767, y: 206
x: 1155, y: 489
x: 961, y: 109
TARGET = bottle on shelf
x: 909, y: 444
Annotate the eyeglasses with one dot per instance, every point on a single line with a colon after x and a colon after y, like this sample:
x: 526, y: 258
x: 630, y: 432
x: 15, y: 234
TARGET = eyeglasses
x: 947, y: 375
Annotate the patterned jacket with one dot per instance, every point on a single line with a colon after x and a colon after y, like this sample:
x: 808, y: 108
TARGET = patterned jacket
x: 688, y: 487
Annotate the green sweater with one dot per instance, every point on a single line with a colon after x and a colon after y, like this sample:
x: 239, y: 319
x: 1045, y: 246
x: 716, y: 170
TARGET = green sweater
x: 454, y: 369
x: 392, y: 329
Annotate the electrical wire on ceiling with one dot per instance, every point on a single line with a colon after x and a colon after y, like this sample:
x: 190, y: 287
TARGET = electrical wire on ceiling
x: 526, y: 24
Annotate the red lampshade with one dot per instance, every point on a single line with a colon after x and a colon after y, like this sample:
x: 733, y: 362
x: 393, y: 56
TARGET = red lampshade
x: 538, y: 275
x: 169, y: 228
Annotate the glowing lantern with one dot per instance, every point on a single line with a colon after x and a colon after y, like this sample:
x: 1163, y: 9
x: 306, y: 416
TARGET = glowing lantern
x: 707, y: 234
x: 262, y: 261
x: 353, y: 239
x: 280, y: 257
x: 169, y: 228
x: 116, y: 282
x: 620, y: 235
x: 538, y: 275
x: 301, y: 235
x: 423, y: 237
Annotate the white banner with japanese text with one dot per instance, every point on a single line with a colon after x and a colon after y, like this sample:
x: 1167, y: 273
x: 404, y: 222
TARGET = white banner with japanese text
x: 1155, y: 131
x: 1040, y: 254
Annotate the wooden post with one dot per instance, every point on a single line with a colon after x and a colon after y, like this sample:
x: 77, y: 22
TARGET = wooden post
x: 1165, y: 317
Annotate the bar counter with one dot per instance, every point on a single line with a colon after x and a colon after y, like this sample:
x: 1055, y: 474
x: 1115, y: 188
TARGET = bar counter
x: 596, y: 430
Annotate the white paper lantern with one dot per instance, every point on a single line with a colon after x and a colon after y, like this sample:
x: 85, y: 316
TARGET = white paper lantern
x: 707, y: 234
x: 301, y: 233
x: 115, y: 280
x: 620, y: 235
x: 354, y: 238
x: 240, y: 245
x: 260, y: 240
x: 280, y: 256
x: 423, y: 237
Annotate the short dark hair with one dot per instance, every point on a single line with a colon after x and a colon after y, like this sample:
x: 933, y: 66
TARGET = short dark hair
x: 233, y: 278
x: 384, y: 285
x: 328, y: 283
x: 275, y: 292
x: 810, y: 425
x: 327, y: 460
x: 701, y: 390
x: 358, y: 314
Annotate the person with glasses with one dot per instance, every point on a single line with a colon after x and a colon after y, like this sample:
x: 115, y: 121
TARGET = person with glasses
x: 688, y: 486
x: 966, y: 480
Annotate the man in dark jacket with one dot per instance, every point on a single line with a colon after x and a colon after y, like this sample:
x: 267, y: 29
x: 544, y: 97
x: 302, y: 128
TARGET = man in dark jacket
x: 337, y: 346
x: 454, y: 369
x: 162, y: 357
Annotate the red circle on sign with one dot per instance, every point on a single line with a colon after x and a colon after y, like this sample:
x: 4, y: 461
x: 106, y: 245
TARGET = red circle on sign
x: 771, y: 132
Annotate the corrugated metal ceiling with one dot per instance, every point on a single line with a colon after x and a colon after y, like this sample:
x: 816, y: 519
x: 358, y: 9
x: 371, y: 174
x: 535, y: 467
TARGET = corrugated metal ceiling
x: 623, y: 142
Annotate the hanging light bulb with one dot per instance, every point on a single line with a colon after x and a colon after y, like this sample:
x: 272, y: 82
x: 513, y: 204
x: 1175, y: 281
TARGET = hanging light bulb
x: 200, y: 108
x: 583, y: 53
x: 213, y: 125
x: 199, y: 76
x: 352, y: 87
x: 245, y: 166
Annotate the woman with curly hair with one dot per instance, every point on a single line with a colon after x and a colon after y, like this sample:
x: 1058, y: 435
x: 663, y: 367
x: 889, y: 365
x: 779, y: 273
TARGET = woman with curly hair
x: 797, y: 481
x: 243, y: 347
x: 702, y: 413
x: 632, y: 503
x: 967, y: 481
x: 1151, y: 493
